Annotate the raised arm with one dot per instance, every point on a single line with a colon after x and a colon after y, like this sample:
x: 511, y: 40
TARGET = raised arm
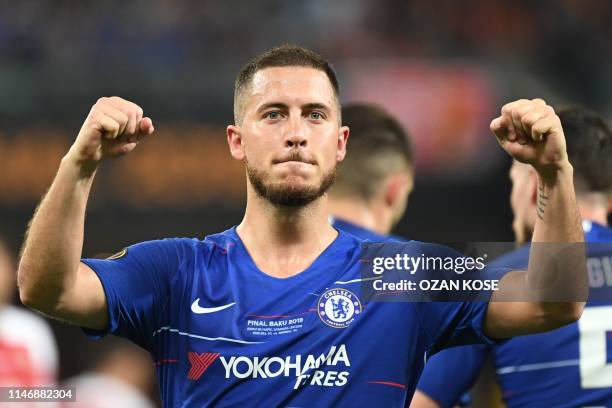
x: 553, y: 290
x: 51, y: 278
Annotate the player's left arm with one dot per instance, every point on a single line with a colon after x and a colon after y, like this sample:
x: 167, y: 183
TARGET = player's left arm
x: 553, y: 290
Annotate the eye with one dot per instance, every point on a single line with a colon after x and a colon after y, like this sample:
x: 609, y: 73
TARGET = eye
x: 315, y: 115
x: 273, y: 115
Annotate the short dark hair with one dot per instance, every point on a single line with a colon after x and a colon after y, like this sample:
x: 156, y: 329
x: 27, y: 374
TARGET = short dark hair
x: 286, y: 55
x: 589, y: 148
x: 378, y: 146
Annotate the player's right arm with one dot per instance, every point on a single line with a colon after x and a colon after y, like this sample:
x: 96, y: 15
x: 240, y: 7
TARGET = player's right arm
x: 51, y: 277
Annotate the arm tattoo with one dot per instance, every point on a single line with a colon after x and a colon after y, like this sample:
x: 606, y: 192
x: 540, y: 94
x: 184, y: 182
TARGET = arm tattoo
x: 542, y: 201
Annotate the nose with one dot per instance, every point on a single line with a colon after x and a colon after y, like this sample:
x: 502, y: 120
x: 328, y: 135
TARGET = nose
x: 295, y: 135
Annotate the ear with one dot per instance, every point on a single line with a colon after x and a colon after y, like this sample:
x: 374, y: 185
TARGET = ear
x: 343, y: 135
x: 234, y: 140
x: 397, y: 189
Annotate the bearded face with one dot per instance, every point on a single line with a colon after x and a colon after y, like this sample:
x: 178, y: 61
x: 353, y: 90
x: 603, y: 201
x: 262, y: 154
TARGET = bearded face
x: 289, y: 137
x: 286, y: 193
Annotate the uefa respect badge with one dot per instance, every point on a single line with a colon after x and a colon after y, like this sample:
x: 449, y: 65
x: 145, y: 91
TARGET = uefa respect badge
x: 338, y: 307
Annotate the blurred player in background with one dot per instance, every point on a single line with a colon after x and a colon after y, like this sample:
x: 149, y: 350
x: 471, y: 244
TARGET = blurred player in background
x: 121, y: 378
x: 269, y: 313
x: 571, y: 366
x: 28, y: 352
x: 372, y: 185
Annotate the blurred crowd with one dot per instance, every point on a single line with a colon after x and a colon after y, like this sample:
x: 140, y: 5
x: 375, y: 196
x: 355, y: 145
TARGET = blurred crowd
x: 187, y: 51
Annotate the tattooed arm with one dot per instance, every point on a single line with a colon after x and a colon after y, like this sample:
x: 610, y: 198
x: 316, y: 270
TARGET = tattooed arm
x: 552, y: 292
x: 542, y: 200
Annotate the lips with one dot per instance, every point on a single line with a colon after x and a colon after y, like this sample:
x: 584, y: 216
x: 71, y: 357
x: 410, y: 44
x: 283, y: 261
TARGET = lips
x: 294, y: 160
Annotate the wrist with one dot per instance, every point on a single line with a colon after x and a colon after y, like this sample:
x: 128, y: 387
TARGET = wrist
x: 551, y: 175
x: 83, y: 168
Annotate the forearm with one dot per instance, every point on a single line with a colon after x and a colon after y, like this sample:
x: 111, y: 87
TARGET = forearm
x: 54, y: 242
x: 552, y: 292
x: 557, y: 219
x: 556, y: 276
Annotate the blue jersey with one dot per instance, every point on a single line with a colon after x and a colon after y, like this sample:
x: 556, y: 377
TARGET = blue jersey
x: 365, y: 233
x: 567, y: 367
x: 362, y: 233
x: 222, y: 332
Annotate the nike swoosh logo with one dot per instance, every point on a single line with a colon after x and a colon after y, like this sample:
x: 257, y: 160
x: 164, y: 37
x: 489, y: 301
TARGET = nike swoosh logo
x: 358, y: 280
x: 195, y: 307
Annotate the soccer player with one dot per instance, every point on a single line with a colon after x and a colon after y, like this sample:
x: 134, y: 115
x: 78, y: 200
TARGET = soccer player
x: 372, y: 185
x: 568, y: 367
x: 121, y: 377
x: 28, y: 351
x: 269, y: 313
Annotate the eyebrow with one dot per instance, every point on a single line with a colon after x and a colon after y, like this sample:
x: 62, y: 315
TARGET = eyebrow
x: 284, y: 106
x: 321, y: 106
x: 269, y: 105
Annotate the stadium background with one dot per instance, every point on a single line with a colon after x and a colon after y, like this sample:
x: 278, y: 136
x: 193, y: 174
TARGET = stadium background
x: 444, y: 67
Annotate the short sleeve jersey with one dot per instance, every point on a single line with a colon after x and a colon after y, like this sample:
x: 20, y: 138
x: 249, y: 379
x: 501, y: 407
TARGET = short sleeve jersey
x: 223, y: 333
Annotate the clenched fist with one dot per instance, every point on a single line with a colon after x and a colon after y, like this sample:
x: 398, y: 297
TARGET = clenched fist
x: 531, y: 132
x: 113, y: 128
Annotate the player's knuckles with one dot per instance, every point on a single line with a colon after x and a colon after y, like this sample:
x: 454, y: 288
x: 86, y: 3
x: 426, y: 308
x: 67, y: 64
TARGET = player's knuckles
x: 541, y: 127
x: 92, y: 127
x: 499, y: 132
x: 547, y: 124
x: 524, y: 109
x: 106, y: 102
x: 116, y: 100
x: 139, y: 115
x: 507, y: 108
x: 111, y: 126
x: 123, y: 105
x: 119, y: 116
x: 512, y: 105
x: 541, y: 111
x: 96, y: 118
x: 133, y: 107
x: 531, y: 117
x: 96, y: 110
x: 550, y: 111
x: 132, y: 124
x: 495, y: 124
x: 555, y: 123
x: 517, y: 115
x: 133, y: 111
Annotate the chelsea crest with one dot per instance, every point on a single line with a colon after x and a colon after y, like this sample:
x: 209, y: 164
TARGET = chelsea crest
x: 338, y: 307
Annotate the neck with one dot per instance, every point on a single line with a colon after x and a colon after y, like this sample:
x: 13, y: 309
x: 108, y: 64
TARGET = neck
x: 359, y: 213
x: 593, y: 207
x: 283, y: 241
